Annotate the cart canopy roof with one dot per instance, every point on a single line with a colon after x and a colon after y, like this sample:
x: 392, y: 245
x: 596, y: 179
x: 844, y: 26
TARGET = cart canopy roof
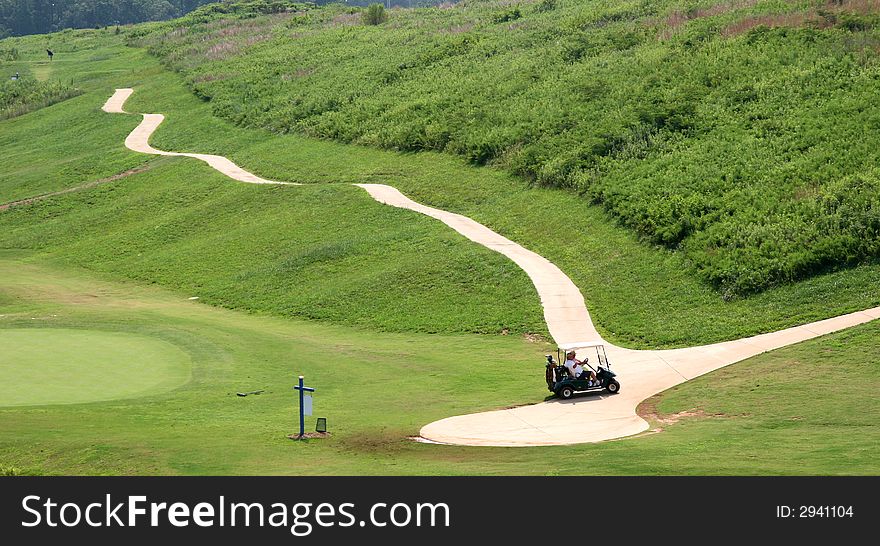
x: 581, y: 345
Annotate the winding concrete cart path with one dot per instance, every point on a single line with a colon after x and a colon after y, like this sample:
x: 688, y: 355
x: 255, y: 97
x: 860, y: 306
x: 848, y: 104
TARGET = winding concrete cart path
x: 587, y: 418
x: 139, y: 141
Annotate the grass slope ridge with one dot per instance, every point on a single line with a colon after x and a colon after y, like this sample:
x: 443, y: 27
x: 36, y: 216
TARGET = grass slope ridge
x: 746, y: 148
x: 266, y: 249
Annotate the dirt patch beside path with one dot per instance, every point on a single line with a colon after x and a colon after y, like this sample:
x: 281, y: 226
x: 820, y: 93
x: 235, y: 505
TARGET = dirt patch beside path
x: 85, y: 186
x: 647, y: 410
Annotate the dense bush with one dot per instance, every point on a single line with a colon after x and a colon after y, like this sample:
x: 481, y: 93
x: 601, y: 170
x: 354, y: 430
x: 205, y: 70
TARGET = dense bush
x: 18, y: 97
x: 507, y: 15
x: 736, y: 132
x: 375, y: 14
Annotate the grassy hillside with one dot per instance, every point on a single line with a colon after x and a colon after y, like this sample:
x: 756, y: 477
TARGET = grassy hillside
x: 63, y: 145
x: 329, y: 253
x: 736, y: 132
x: 22, y: 90
x: 316, y: 252
x: 638, y: 296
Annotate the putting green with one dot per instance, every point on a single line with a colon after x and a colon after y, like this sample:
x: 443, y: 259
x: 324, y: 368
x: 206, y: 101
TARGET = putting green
x: 59, y: 366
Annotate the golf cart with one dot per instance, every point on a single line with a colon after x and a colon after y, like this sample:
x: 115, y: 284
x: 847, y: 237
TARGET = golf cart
x: 560, y: 380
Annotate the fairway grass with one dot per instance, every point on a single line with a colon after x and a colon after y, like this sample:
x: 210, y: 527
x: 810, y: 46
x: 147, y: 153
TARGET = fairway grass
x: 41, y: 366
x: 41, y: 70
x: 805, y: 409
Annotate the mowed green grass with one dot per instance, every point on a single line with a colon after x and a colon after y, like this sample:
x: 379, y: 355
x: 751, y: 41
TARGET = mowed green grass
x: 638, y: 295
x: 319, y: 252
x: 42, y: 70
x: 72, y: 142
x: 807, y: 409
x: 373, y: 388
x: 64, y: 366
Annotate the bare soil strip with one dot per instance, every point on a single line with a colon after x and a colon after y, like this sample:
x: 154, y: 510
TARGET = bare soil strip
x: 81, y: 187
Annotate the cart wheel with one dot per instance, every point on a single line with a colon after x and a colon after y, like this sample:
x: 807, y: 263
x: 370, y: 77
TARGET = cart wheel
x: 613, y: 387
x: 566, y: 392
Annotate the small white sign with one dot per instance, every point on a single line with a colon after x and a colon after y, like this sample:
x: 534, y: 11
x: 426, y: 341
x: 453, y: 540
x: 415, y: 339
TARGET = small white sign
x: 307, y: 404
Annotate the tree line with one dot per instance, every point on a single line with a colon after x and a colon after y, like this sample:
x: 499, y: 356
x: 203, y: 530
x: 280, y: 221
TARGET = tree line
x: 21, y: 17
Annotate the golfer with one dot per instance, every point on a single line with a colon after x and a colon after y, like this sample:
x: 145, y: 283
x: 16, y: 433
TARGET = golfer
x: 571, y: 364
x: 577, y: 371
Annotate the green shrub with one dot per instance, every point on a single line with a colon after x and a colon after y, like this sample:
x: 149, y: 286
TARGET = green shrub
x: 508, y: 15
x: 375, y: 15
x: 18, y: 97
x: 8, y: 54
x: 545, y: 5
